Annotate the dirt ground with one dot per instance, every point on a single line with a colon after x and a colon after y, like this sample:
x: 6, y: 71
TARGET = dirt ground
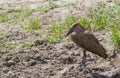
x: 59, y: 60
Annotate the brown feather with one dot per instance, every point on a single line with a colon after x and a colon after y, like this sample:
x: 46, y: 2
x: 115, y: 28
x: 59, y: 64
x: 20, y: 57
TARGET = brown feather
x: 88, y: 42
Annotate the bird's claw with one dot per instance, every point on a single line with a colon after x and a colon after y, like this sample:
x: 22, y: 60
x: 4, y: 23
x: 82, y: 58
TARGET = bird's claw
x: 82, y: 65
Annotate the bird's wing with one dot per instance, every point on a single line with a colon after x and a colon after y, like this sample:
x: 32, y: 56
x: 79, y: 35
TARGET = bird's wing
x: 92, y: 37
x: 90, y: 43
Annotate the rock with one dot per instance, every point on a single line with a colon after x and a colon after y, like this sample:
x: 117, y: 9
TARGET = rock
x: 7, y: 58
x: 5, y: 70
x: 67, y: 59
x: 9, y: 63
x: 69, y: 46
x: 16, y: 59
x: 39, y: 42
x: 32, y: 63
x: 113, y: 73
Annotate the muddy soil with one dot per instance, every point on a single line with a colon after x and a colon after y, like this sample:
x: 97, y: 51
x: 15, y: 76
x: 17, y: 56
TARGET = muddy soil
x: 58, y: 60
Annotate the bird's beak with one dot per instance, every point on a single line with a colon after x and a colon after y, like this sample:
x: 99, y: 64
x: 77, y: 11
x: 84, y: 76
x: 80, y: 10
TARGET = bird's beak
x: 70, y: 31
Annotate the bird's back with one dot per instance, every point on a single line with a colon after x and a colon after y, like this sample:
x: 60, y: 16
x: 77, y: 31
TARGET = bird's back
x: 90, y: 43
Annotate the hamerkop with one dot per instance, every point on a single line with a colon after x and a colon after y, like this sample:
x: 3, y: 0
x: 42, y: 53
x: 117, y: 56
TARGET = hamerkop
x: 87, y: 42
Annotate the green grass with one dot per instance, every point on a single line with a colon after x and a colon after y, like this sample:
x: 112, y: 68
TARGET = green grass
x: 68, y: 4
x: 3, y: 18
x: 24, y: 14
x: 10, y: 45
x: 100, y: 18
x: 14, y: 53
x: 15, y: 16
x: 116, y: 36
x: 58, y: 29
x: 45, y: 8
x: 69, y: 20
x: 107, y: 17
x: 55, y: 33
x: 33, y: 24
x: 20, y: 15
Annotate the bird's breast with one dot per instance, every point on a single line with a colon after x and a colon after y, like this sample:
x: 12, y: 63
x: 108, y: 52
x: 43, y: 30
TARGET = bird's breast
x: 75, y: 38
x: 78, y: 39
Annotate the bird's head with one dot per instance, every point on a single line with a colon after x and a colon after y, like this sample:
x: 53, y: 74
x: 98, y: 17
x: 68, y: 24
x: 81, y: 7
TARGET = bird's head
x: 76, y: 28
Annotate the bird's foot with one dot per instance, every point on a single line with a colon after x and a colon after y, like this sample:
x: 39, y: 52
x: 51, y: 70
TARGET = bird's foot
x: 82, y: 65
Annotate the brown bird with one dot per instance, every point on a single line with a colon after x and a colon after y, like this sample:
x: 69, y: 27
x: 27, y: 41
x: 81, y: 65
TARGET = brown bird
x: 86, y: 41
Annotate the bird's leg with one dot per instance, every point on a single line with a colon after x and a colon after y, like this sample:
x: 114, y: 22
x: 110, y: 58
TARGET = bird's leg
x: 82, y: 64
x: 84, y: 57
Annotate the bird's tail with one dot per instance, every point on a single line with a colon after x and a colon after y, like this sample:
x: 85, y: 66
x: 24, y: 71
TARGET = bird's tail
x: 105, y: 56
x: 102, y: 52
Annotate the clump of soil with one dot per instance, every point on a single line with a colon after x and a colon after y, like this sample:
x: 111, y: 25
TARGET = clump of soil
x: 59, y: 60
